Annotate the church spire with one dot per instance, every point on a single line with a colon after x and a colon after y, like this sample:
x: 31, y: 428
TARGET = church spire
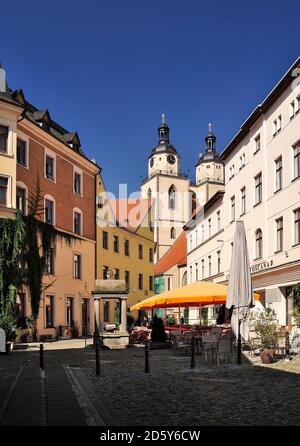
x: 210, y: 140
x: 163, y: 131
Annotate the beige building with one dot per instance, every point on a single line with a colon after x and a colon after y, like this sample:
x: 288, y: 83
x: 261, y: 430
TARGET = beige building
x: 262, y: 174
x: 125, y: 246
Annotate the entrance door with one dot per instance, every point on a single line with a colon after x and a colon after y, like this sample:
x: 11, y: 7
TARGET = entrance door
x: 85, y: 317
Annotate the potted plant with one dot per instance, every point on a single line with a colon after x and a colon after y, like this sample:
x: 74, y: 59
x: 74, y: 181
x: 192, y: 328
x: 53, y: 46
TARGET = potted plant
x: 266, y: 330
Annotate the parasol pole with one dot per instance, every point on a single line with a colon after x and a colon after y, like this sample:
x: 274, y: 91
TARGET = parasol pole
x: 179, y: 317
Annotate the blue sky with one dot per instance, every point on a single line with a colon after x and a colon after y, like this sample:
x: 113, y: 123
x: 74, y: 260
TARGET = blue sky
x: 108, y: 69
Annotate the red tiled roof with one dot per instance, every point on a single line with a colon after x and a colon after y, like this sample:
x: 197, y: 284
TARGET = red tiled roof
x: 130, y: 213
x: 176, y: 255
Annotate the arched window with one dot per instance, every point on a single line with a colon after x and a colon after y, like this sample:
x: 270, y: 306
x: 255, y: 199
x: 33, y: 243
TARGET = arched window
x: 77, y: 221
x: 49, y: 210
x: 22, y: 197
x: 258, y: 244
x: 173, y: 233
x: 172, y: 197
x: 149, y: 193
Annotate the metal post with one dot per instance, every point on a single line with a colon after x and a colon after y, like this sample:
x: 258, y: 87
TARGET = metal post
x: 193, y: 359
x: 239, y: 352
x: 147, y: 365
x: 42, y: 365
x: 97, y: 352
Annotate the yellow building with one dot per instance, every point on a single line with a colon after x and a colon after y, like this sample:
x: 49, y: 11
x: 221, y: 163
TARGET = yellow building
x: 125, y: 246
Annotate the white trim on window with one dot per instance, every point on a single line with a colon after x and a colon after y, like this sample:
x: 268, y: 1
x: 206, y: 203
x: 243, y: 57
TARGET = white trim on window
x: 50, y: 198
x: 10, y: 139
x: 9, y: 189
x: 78, y: 211
x: 79, y: 171
x: 22, y: 185
x: 51, y: 154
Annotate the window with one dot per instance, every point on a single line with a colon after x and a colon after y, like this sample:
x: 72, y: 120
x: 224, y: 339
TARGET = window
x: 258, y: 188
x: 127, y: 278
x: 209, y: 266
x: 169, y: 283
x: 104, y: 240
x: 278, y: 174
x: 197, y: 272
x: 116, y: 243
x: 172, y: 197
x: 49, y: 168
x: 49, y: 311
x: 173, y: 233
x: 77, y: 183
x: 232, y: 214
x: 297, y: 161
x: 196, y: 237
x: 49, y: 211
x: 279, y: 234
x: 116, y: 274
x: 202, y: 233
x: 141, y: 286
x: 297, y: 225
x: 126, y: 247
x: 151, y: 255
x: 49, y: 265
x: 277, y: 125
x: 243, y: 200
x: 21, y: 199
x: 77, y: 265
x: 258, y: 244
x: 202, y: 269
x: 106, y: 311
x: 219, y: 220
x: 209, y: 227
x: 242, y: 161
x: 257, y: 144
x: 77, y: 223
x: 105, y: 272
x: 219, y: 261
x: 69, y: 310
x: 21, y: 152
x: 21, y: 306
x: 3, y: 139
x: 141, y: 252
x: 3, y: 191
x: 292, y: 109
x: 191, y: 274
x: 151, y: 283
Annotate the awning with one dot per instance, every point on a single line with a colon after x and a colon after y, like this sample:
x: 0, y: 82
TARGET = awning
x: 193, y: 295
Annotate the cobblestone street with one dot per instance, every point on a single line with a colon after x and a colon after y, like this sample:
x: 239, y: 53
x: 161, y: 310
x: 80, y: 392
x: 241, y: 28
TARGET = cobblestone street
x: 172, y: 394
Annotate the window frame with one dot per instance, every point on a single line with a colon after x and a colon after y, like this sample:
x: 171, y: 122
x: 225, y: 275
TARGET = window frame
x: 52, y: 200
x: 49, y: 154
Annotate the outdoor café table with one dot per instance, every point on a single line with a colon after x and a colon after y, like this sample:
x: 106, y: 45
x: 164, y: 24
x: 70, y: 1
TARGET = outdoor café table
x: 177, y: 328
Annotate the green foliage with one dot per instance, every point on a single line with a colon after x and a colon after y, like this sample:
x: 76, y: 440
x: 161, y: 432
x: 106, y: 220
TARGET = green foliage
x: 186, y: 313
x: 265, y: 325
x: 117, y: 315
x: 204, y: 314
x: 296, y: 309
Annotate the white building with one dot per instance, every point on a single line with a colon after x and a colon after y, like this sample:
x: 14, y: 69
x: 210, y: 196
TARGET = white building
x: 262, y: 188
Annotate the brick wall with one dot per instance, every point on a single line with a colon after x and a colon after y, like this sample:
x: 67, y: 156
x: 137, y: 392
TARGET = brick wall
x: 62, y: 189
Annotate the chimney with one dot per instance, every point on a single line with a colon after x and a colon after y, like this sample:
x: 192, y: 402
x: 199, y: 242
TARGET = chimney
x: 3, y: 84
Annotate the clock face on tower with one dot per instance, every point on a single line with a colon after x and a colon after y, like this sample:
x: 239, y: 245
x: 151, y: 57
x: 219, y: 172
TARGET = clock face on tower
x: 171, y: 159
x: 151, y: 162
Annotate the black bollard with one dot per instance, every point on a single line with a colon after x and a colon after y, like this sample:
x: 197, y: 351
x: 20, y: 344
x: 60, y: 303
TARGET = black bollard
x: 147, y: 365
x: 42, y: 365
x: 193, y: 359
x: 97, y: 353
x: 239, y: 346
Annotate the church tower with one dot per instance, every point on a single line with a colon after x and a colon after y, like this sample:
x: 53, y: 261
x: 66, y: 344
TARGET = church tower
x: 209, y: 170
x: 170, y: 191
